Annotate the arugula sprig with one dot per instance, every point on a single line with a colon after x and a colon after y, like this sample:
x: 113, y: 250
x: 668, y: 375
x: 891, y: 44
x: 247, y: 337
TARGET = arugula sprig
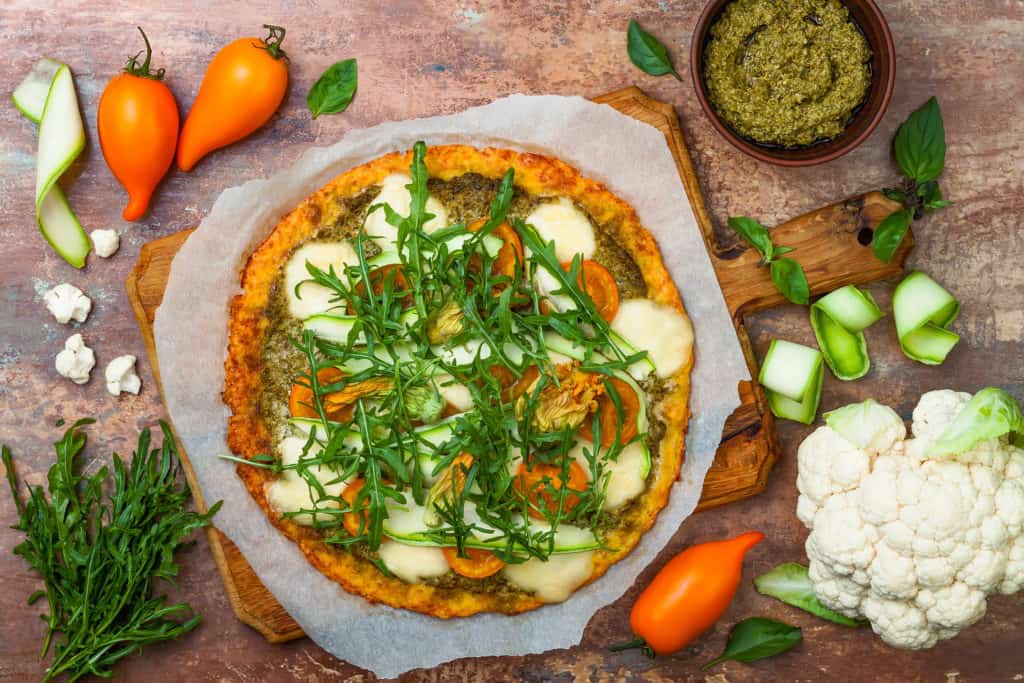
x: 787, y: 274
x: 503, y: 319
x: 920, y: 148
x: 98, y: 555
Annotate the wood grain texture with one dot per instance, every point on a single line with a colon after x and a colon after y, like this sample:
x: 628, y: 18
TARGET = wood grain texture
x: 434, y: 57
x: 827, y: 242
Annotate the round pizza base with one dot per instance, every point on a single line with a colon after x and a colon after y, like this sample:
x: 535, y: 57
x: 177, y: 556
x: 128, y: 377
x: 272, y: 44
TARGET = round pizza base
x: 248, y: 435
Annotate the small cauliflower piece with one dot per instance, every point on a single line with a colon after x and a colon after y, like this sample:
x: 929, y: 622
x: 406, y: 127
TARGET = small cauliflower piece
x: 76, y: 361
x: 121, y: 377
x: 913, y: 544
x: 105, y: 242
x: 67, y: 302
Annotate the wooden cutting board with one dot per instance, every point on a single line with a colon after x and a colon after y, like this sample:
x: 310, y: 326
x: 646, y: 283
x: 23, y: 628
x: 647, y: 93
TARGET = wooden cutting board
x: 828, y: 248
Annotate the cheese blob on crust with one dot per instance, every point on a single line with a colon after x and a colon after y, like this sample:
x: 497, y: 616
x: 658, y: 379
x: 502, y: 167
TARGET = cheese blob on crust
x: 312, y: 298
x: 662, y: 331
x: 394, y: 193
x: 565, y: 225
x: 291, y: 492
x: 528, y: 586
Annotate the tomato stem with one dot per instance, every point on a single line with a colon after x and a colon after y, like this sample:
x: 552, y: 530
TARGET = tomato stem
x: 272, y: 43
x: 142, y: 70
x: 636, y: 643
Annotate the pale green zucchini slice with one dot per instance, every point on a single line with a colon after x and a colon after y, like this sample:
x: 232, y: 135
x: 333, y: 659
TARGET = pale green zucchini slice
x: 792, y: 375
x: 923, y: 310
x: 839, y: 320
x: 47, y: 96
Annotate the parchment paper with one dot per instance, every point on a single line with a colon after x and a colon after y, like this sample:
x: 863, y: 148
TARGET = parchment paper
x: 633, y: 160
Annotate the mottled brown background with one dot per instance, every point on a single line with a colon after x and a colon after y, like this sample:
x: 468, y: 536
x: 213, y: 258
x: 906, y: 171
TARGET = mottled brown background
x: 433, y: 57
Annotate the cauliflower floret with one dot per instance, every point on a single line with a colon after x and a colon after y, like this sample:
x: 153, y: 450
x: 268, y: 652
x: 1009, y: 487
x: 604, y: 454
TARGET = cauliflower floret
x: 67, y: 302
x: 121, y: 377
x: 911, y: 543
x: 76, y: 361
x: 935, y: 411
x: 105, y: 242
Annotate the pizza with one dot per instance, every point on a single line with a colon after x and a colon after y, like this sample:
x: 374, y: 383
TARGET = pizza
x: 458, y: 379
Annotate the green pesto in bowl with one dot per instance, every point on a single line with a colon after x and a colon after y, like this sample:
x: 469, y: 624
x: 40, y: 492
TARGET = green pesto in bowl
x: 786, y: 73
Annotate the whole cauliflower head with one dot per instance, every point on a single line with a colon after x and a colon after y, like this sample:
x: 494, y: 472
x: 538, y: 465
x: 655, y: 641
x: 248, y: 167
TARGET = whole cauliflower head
x: 912, y: 543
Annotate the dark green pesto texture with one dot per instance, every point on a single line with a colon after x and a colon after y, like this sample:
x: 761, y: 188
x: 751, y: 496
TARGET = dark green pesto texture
x: 466, y: 198
x: 786, y: 72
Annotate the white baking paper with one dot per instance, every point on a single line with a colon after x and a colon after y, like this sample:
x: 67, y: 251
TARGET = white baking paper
x: 633, y: 160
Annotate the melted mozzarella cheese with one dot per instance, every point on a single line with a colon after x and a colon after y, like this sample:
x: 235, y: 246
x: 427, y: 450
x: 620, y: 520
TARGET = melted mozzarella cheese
x: 453, y: 392
x: 553, y: 580
x: 411, y: 563
x: 624, y: 478
x: 394, y: 193
x: 315, y: 298
x: 545, y: 284
x: 291, y: 492
x: 565, y: 225
x: 663, y: 332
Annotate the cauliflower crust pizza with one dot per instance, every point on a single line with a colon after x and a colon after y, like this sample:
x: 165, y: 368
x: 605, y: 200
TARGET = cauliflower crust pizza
x: 458, y: 380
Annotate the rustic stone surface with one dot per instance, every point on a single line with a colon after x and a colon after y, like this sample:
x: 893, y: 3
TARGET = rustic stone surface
x: 424, y: 58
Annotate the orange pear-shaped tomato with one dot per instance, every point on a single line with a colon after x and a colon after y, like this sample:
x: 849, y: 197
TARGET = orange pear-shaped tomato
x: 242, y: 88
x: 138, y: 127
x: 689, y: 594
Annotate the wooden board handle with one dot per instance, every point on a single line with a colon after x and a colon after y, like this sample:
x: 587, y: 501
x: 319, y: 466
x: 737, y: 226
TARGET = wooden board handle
x: 827, y: 245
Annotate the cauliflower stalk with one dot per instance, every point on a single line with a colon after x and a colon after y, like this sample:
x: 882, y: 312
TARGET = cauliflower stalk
x: 914, y: 534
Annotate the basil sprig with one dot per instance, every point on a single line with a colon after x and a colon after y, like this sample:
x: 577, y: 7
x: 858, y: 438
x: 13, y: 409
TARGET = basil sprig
x: 787, y: 274
x: 920, y: 148
x: 334, y: 90
x: 757, y: 638
x: 647, y: 52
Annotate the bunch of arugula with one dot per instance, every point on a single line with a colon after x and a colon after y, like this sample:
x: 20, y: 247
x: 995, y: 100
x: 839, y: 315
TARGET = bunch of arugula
x: 98, y: 555
x: 920, y: 148
x: 505, y: 316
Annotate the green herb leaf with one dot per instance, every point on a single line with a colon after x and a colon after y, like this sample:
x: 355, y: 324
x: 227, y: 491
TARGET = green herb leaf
x: 789, y: 277
x: 98, y: 555
x: 647, y: 52
x: 920, y: 143
x: 334, y: 90
x: 757, y: 638
x: 756, y: 234
x: 889, y: 234
x: 893, y: 194
x: 790, y: 583
x: 990, y: 413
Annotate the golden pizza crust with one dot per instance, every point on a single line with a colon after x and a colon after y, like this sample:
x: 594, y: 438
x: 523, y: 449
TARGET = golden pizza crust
x: 248, y: 435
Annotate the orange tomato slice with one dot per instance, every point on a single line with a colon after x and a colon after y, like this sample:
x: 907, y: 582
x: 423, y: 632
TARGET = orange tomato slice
x: 609, y: 416
x: 379, y: 277
x: 354, y: 521
x: 533, y: 479
x: 478, y: 564
x: 300, y: 401
x: 511, y: 250
x: 599, y: 284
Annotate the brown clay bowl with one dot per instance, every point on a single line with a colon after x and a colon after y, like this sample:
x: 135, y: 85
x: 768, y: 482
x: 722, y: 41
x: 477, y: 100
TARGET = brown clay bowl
x: 883, y: 76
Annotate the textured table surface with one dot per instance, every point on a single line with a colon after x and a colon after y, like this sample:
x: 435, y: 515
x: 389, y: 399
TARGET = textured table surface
x: 419, y: 58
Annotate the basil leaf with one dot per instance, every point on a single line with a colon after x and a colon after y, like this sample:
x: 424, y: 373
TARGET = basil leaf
x: 755, y: 233
x: 779, y: 251
x: 893, y: 194
x: 647, y: 52
x: 920, y: 143
x: 788, y: 276
x: 334, y: 90
x: 932, y: 198
x: 757, y: 638
x: 790, y: 583
x: 889, y: 234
